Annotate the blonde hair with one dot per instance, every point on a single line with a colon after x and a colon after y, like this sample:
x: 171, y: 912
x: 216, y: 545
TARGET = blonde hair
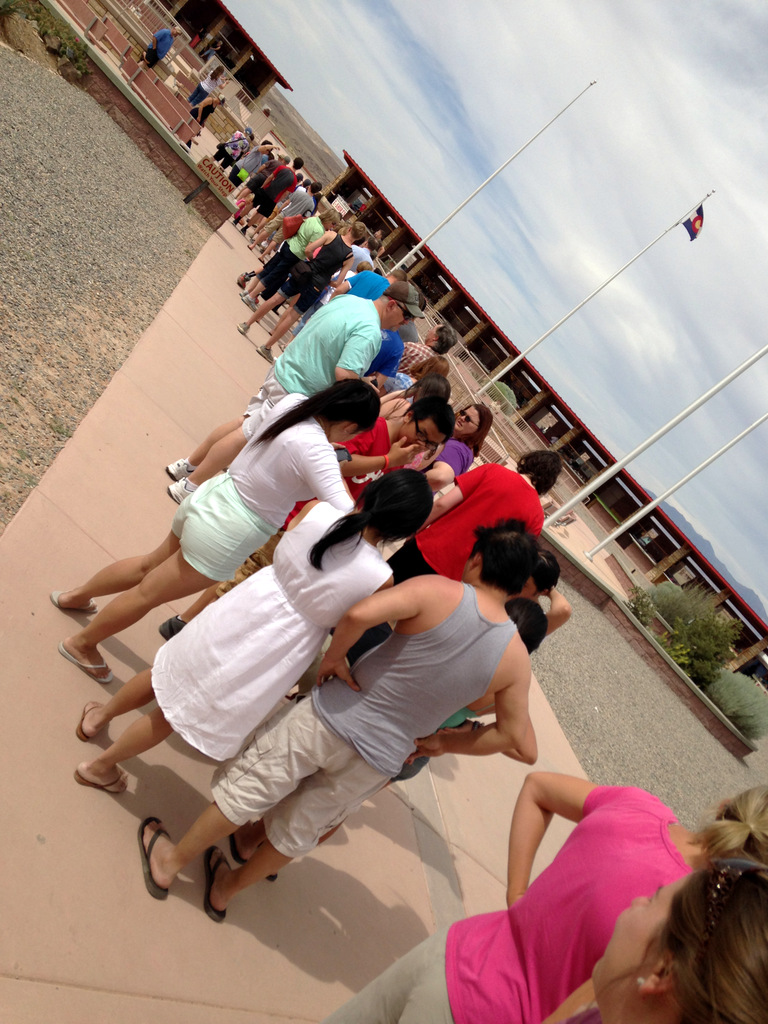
x: 363, y: 265
x: 739, y: 827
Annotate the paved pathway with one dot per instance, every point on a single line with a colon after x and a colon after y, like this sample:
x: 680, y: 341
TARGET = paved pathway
x: 81, y: 939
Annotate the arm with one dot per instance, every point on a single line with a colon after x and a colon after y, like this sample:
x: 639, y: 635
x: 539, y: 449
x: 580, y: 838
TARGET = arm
x: 440, y: 475
x: 401, y: 603
x: 345, y: 268
x: 317, y: 243
x: 559, y: 610
x: 449, y: 501
x: 340, y: 289
x: 512, y: 732
x: 400, y: 454
x: 543, y: 794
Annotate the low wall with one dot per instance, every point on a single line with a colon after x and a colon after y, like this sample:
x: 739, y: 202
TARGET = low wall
x: 643, y: 644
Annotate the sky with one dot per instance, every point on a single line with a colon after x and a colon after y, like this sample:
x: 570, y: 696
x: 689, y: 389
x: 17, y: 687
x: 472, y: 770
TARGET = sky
x: 431, y: 97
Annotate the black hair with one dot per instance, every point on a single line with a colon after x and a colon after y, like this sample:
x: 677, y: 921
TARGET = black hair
x: 546, y: 572
x: 508, y: 554
x: 395, y: 504
x: 431, y: 385
x: 542, y: 467
x: 437, y: 410
x: 298, y: 163
x: 352, y: 400
x: 315, y: 187
x: 530, y: 619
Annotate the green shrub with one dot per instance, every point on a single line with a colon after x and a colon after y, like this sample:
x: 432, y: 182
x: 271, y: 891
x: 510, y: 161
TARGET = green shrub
x: 8, y: 7
x: 504, y: 395
x: 672, y: 602
x: 49, y: 24
x: 742, y: 700
x: 702, y: 647
x: 641, y: 605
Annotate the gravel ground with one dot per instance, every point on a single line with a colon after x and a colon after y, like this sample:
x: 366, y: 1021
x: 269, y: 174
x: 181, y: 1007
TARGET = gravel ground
x: 94, y: 239
x: 627, y: 727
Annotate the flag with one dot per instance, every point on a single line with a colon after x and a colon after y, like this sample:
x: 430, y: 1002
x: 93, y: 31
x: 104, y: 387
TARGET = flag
x: 695, y: 223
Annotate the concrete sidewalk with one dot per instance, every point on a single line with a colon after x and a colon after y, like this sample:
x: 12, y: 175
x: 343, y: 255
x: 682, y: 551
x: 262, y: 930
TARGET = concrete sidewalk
x: 81, y: 939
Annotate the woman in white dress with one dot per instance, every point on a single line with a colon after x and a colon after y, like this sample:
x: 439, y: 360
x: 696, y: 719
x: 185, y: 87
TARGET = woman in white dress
x: 217, y: 680
x: 291, y: 459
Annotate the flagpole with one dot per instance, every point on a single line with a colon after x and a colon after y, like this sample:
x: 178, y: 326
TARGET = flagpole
x: 611, y: 471
x: 507, y: 366
x: 637, y: 516
x: 420, y: 245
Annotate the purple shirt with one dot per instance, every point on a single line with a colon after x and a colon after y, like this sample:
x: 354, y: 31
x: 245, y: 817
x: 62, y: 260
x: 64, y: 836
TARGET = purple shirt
x: 457, y: 455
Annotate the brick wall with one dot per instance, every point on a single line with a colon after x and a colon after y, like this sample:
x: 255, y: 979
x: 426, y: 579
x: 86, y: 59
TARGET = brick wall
x: 575, y: 577
x: 164, y: 156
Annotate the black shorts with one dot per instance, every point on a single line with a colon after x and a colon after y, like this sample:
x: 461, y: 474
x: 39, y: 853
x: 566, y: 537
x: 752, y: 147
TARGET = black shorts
x: 266, y: 207
x: 151, y: 56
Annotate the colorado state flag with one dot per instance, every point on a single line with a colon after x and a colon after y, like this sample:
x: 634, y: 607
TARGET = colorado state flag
x: 695, y: 223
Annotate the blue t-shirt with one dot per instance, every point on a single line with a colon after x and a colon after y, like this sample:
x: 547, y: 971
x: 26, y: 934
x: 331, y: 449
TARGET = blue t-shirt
x: 163, y: 42
x: 368, y: 285
x: 390, y: 354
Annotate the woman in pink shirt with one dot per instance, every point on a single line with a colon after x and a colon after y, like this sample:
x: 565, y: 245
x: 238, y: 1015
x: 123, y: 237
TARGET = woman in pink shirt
x: 518, y: 965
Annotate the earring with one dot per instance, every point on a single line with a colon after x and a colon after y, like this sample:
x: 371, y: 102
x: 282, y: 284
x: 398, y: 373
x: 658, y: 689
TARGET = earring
x: 640, y: 982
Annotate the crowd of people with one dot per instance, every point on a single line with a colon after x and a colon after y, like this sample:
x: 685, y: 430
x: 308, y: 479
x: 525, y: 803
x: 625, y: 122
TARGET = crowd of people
x: 352, y: 443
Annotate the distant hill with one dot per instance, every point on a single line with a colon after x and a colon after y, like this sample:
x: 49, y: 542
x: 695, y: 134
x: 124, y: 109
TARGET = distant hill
x: 302, y: 140
x: 752, y: 599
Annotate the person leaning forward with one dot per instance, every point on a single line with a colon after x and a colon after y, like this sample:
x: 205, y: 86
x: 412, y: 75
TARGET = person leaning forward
x: 317, y: 761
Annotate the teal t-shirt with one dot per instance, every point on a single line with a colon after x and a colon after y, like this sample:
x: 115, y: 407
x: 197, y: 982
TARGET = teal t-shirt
x: 345, y: 333
x: 309, y: 231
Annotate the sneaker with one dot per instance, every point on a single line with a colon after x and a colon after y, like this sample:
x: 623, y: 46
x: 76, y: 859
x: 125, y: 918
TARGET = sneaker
x: 265, y: 352
x: 179, y: 469
x: 241, y: 281
x: 181, y: 490
x: 248, y: 300
x: 243, y: 328
x: 171, y: 627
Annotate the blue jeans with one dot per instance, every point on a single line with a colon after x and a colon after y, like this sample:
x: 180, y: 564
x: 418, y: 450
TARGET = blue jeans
x: 197, y: 96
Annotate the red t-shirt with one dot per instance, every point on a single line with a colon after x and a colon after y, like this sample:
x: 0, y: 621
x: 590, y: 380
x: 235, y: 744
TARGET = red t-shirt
x: 371, y: 442
x: 491, y: 493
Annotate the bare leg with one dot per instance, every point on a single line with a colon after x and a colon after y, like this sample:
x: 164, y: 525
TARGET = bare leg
x: 255, y: 287
x: 215, y: 435
x: 229, y: 882
x: 140, y: 736
x: 269, y: 250
x: 207, y: 597
x: 171, y: 579
x: 220, y: 455
x: 135, y: 694
x: 265, y: 307
x: 168, y: 859
x: 287, y: 320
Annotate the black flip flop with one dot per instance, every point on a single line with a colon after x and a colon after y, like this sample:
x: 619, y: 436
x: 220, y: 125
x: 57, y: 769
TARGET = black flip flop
x: 210, y: 875
x: 155, y: 890
x: 239, y: 860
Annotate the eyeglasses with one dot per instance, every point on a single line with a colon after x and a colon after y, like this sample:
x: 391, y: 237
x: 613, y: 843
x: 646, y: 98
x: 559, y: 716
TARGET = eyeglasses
x: 406, y: 315
x: 462, y: 414
x: 723, y: 877
x: 422, y: 438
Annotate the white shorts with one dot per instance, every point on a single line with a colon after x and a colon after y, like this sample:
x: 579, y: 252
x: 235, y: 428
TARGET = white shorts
x: 271, y: 393
x: 298, y: 776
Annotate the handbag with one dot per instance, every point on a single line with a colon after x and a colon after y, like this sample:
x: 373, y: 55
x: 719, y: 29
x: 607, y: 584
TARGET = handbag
x: 243, y: 175
x: 301, y: 273
x: 291, y: 226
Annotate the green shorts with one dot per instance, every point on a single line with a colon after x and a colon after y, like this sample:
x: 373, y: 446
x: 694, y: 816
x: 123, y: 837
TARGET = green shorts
x: 217, y: 530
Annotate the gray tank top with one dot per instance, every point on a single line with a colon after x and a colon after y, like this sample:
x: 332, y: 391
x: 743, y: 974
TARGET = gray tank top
x: 411, y: 684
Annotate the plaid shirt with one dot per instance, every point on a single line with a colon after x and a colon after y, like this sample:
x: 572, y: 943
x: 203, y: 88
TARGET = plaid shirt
x: 414, y: 353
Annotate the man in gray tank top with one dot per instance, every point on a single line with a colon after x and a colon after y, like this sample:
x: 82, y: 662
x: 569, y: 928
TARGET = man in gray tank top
x: 315, y: 762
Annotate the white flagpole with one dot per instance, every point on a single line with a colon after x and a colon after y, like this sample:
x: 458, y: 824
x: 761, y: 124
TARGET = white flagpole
x: 426, y: 238
x: 637, y: 516
x: 507, y: 366
x: 611, y: 471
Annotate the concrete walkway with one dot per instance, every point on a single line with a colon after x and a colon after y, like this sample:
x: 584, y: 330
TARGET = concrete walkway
x: 81, y: 938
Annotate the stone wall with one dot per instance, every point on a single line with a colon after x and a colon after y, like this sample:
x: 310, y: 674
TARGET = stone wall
x: 163, y: 155
x: 575, y: 577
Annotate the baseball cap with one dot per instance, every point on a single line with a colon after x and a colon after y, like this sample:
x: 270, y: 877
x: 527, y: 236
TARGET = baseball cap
x: 409, y: 295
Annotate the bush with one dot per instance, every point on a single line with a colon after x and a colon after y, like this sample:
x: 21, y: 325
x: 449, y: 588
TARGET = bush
x: 504, y: 395
x: 672, y: 602
x: 49, y: 24
x: 641, y: 605
x: 742, y: 700
x: 702, y: 647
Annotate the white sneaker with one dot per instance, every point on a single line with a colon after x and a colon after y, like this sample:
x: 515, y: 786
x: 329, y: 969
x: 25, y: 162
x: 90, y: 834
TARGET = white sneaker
x: 181, y: 490
x: 179, y: 469
x: 243, y: 328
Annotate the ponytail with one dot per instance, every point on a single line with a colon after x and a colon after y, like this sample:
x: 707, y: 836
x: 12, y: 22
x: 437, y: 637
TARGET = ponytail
x: 395, y: 505
x: 351, y: 400
x: 740, y: 827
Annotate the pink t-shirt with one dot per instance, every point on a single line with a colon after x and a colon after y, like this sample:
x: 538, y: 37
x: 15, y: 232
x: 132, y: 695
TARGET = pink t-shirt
x: 518, y: 965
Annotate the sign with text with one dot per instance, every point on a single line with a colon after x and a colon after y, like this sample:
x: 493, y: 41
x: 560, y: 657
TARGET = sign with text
x: 218, y: 178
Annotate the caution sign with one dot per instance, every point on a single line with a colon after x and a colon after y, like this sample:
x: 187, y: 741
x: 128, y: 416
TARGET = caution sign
x: 214, y: 174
